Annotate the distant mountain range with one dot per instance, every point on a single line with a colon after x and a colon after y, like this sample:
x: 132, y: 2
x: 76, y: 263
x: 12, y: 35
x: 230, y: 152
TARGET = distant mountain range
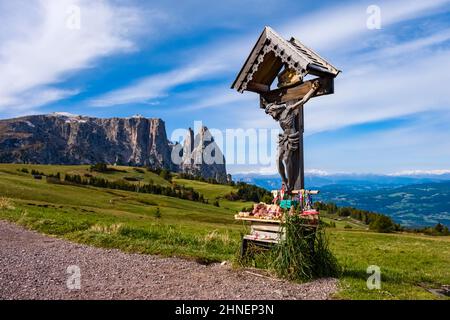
x: 415, y: 200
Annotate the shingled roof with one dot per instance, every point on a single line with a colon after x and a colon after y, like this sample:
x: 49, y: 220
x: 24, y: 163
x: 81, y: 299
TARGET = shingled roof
x: 269, y: 55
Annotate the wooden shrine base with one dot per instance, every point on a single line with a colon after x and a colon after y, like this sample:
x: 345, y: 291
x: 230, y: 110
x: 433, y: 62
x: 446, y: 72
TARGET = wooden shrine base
x: 264, y: 232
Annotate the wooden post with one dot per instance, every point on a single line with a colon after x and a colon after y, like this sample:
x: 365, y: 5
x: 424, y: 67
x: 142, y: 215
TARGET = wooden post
x: 300, y: 182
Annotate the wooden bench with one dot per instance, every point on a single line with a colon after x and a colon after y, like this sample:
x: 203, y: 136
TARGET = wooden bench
x: 263, y: 232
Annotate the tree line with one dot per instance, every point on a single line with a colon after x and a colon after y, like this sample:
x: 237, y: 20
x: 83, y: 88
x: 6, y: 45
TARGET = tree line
x: 198, y: 177
x: 376, y: 221
x: 438, y: 230
x: 177, y: 191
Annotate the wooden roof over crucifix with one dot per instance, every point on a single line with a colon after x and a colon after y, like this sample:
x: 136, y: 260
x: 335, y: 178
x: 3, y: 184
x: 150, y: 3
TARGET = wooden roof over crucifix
x: 270, y: 54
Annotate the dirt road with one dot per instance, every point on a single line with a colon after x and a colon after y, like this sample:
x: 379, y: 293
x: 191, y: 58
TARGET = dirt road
x: 35, y: 266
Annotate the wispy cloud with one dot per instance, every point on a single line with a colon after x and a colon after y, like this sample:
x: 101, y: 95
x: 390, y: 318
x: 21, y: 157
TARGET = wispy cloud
x: 421, y: 172
x: 32, y: 99
x: 346, y: 23
x: 155, y: 86
x: 40, y: 48
x: 386, y: 91
x: 408, y: 48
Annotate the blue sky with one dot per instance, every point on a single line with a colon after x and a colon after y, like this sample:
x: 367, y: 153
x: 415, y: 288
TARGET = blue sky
x: 177, y: 59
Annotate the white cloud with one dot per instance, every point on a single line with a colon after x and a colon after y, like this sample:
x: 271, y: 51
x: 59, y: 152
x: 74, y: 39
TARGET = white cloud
x: 338, y: 26
x: 383, y: 92
x: 408, y: 48
x: 32, y: 99
x: 421, y: 172
x: 257, y: 170
x: 155, y: 86
x: 317, y: 172
x: 39, y: 50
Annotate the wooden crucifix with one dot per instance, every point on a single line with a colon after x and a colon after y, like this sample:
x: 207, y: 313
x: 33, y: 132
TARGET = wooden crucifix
x: 289, y: 61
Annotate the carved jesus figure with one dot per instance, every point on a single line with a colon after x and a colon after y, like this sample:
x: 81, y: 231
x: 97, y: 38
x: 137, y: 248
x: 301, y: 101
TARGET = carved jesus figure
x: 288, y: 143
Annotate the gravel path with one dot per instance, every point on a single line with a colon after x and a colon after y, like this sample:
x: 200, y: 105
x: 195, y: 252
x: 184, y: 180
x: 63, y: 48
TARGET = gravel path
x: 34, y: 266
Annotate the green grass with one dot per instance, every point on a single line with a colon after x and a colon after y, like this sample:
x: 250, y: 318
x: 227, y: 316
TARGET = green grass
x: 145, y: 177
x: 213, y: 192
x: 126, y: 220
x: 407, y: 262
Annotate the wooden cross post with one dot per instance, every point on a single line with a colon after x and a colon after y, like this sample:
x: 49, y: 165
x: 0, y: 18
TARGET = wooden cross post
x: 300, y: 182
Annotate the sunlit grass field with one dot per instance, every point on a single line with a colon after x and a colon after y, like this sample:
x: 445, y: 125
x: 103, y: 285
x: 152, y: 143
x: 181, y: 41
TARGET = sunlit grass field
x: 130, y: 221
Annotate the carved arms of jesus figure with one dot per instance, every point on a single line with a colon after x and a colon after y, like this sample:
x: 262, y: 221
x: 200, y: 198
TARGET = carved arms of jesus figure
x: 315, y: 86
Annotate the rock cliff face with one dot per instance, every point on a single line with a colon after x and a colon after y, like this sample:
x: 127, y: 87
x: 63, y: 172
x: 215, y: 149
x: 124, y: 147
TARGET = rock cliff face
x: 68, y: 139
x: 202, y: 156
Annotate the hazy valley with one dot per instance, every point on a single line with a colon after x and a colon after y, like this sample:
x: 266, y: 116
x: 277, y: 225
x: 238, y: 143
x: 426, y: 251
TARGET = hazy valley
x: 413, y: 201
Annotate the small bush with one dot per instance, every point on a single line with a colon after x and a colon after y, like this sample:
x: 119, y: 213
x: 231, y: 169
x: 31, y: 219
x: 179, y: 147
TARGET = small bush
x: 304, y: 254
x: 157, y: 213
x: 37, y: 173
x: 216, y: 203
x: 382, y: 224
x: 99, y: 167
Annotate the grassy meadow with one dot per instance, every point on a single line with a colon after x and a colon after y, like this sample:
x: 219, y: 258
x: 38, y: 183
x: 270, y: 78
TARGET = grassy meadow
x: 155, y: 224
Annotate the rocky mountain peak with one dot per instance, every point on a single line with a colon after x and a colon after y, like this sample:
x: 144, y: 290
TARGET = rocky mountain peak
x: 202, y: 156
x: 63, y: 138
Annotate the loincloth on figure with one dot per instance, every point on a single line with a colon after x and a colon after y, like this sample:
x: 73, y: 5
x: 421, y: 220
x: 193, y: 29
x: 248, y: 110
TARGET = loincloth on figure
x: 289, y: 141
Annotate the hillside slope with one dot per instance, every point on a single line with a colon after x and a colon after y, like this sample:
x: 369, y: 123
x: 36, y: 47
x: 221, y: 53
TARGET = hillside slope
x: 156, y: 224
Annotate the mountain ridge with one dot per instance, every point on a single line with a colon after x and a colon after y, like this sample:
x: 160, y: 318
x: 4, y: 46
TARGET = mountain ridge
x: 63, y: 138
